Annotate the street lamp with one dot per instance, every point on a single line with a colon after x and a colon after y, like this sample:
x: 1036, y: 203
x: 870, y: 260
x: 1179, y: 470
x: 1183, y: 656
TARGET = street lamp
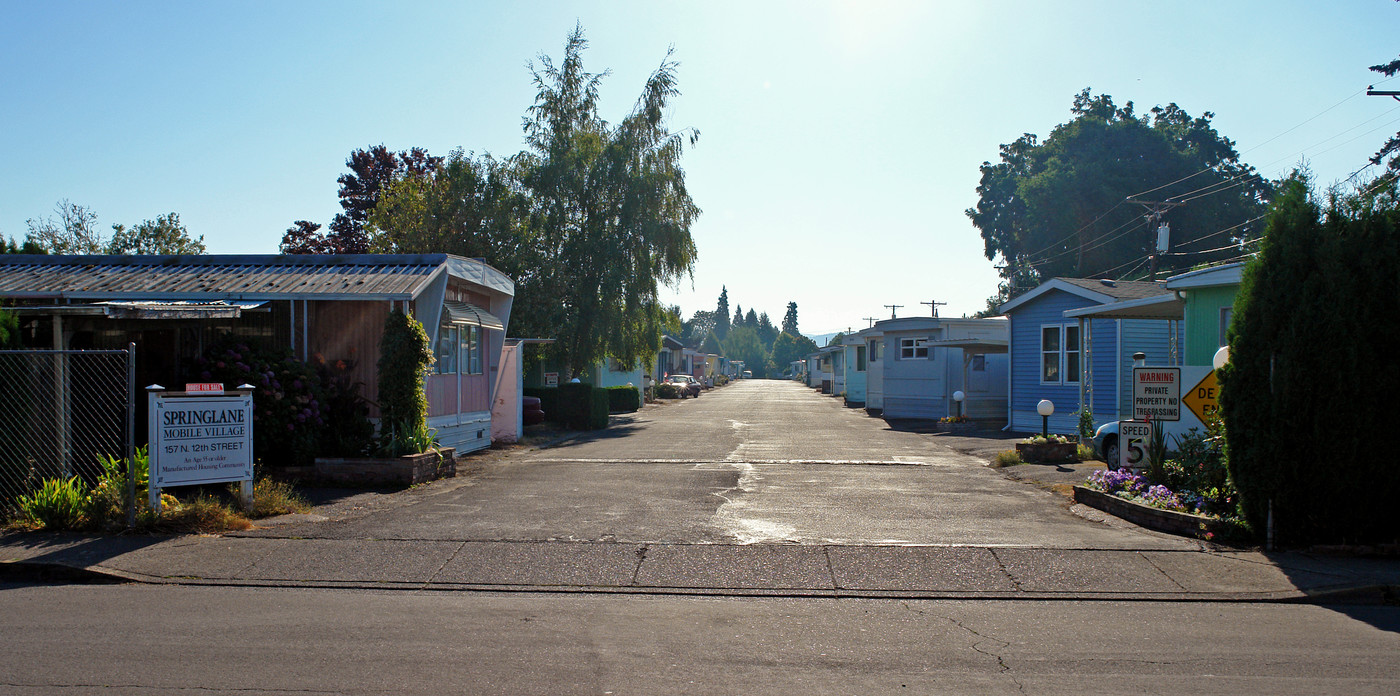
x: 1222, y: 357
x: 958, y: 396
x: 1045, y: 408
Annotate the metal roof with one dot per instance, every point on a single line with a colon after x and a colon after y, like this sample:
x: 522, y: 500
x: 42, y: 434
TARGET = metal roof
x: 472, y: 315
x: 237, y: 277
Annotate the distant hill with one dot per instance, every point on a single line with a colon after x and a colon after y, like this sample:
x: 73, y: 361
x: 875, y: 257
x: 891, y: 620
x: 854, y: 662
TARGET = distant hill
x: 822, y: 339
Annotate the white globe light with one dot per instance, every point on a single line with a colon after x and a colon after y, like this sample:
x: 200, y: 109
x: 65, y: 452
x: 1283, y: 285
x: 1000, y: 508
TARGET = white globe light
x: 1222, y: 357
x: 959, y: 396
x: 1045, y: 407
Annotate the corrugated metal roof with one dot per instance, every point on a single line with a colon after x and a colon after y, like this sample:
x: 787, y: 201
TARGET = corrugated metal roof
x: 470, y: 314
x: 253, y: 277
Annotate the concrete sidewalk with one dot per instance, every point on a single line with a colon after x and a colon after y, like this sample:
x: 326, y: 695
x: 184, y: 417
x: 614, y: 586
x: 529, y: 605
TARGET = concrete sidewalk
x: 932, y: 572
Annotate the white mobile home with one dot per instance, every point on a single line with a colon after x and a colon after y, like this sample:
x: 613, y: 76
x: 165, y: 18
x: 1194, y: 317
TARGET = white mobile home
x: 925, y: 359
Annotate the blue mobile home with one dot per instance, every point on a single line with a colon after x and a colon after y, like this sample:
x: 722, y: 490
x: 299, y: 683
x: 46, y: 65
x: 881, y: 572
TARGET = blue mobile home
x: 1049, y: 361
x: 855, y: 362
x: 874, y: 372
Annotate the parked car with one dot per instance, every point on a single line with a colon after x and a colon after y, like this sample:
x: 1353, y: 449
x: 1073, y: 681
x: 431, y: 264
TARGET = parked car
x: 530, y: 411
x: 688, y: 385
x: 1106, y: 444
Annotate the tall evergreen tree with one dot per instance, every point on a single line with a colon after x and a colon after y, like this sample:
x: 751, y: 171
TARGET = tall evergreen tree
x: 767, y: 333
x: 722, y: 313
x: 790, y: 319
x: 738, y: 319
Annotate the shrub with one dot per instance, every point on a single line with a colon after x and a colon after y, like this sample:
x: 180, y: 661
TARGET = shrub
x: 274, y: 498
x: 625, y: 399
x: 600, y: 404
x: 1007, y: 458
x: 549, y: 402
x: 666, y: 390
x: 1084, y: 452
x: 58, y: 504
x: 203, y: 514
x: 1086, y: 425
x: 108, y: 502
x: 405, y: 354
x: 575, y: 401
x: 287, y: 416
x: 348, y: 431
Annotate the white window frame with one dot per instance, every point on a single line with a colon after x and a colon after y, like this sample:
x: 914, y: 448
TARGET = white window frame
x: 1062, y: 353
x: 910, y: 348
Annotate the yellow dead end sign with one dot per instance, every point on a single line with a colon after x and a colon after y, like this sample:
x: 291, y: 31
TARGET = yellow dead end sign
x: 1204, y: 398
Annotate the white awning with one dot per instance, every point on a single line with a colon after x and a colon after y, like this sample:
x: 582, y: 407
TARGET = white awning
x: 469, y: 314
x: 974, y: 346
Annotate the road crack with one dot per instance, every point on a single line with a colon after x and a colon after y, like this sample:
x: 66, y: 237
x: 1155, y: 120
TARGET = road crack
x: 999, y: 646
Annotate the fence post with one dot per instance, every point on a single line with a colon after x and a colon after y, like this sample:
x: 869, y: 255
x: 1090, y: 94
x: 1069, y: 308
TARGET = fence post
x: 131, y: 435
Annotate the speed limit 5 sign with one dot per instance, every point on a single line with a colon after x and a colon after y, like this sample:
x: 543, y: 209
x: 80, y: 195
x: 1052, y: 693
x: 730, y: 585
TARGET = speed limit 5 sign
x: 1133, y: 437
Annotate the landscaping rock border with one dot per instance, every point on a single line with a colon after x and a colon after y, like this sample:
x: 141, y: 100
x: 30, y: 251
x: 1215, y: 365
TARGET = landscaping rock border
x: 1171, y: 522
x: 408, y: 470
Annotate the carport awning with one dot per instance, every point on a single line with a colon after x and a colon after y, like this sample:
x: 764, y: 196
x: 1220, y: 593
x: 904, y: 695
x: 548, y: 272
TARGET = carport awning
x: 469, y: 314
x: 1163, y: 307
x: 151, y: 309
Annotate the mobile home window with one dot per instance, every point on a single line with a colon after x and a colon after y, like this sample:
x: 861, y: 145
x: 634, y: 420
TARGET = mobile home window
x: 447, y: 351
x: 913, y: 348
x: 1050, y: 353
x: 469, y: 350
x: 979, y: 363
x: 1226, y: 313
x: 874, y: 351
x: 860, y: 358
x: 1059, y: 354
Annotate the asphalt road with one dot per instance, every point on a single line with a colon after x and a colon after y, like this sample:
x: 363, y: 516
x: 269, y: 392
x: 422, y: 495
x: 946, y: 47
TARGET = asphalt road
x: 135, y: 639
x: 758, y: 461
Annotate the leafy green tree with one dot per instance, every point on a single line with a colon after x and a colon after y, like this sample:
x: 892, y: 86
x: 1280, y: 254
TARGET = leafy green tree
x: 790, y: 319
x: 1059, y: 208
x: 788, y: 347
x: 10, y: 246
x: 163, y: 235
x: 1312, y: 354
x: 743, y: 344
x: 405, y: 357
x: 698, y: 328
x: 74, y: 232
x: 722, y: 313
x: 611, y: 209
x: 372, y: 170
x: 711, y: 344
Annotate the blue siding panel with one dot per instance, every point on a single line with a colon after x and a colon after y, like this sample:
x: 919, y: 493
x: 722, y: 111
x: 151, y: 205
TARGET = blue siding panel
x: 1026, y: 389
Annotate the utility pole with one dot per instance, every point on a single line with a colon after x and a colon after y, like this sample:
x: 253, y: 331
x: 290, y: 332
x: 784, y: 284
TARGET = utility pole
x: 1158, y: 245
x: 935, y: 305
x: 872, y: 321
x: 892, y: 308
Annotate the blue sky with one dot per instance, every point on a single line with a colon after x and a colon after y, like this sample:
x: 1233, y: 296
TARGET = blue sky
x: 839, y: 140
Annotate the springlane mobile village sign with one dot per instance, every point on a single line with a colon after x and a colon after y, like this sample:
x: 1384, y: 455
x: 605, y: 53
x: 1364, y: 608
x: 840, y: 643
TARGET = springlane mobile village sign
x: 201, y: 435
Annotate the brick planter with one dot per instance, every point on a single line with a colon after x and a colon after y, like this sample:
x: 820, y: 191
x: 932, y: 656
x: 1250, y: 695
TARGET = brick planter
x: 408, y: 470
x: 1049, y: 452
x: 1171, y: 522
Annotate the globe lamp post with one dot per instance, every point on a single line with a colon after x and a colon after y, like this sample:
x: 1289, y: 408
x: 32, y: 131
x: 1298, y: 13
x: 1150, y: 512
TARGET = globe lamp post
x: 1045, y: 408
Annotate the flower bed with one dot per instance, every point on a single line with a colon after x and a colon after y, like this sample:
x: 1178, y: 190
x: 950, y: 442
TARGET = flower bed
x: 1159, y: 519
x: 1133, y: 497
x: 1055, y: 448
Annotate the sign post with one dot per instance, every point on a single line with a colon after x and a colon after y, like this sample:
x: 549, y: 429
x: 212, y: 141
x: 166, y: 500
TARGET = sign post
x: 201, y: 436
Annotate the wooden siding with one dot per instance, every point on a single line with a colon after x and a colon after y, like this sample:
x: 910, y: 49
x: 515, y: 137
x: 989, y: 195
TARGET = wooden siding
x: 349, y: 331
x: 1203, y: 321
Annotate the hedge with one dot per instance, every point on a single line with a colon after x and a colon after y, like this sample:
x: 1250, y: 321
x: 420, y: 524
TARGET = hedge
x: 1312, y: 365
x: 623, y: 399
x: 575, y: 405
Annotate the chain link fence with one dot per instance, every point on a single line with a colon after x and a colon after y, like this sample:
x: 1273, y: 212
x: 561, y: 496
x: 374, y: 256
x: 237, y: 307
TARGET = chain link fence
x: 59, y: 411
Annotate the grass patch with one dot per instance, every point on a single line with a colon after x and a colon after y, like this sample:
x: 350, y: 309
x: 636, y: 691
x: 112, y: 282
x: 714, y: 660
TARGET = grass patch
x: 203, y: 514
x: 1007, y: 458
x: 271, y: 498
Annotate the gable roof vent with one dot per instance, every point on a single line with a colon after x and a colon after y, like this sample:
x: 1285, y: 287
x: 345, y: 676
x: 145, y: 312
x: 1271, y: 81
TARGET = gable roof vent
x: 1109, y: 282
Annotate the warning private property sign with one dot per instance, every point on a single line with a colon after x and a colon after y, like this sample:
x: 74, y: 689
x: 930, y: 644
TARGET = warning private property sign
x: 1156, y: 393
